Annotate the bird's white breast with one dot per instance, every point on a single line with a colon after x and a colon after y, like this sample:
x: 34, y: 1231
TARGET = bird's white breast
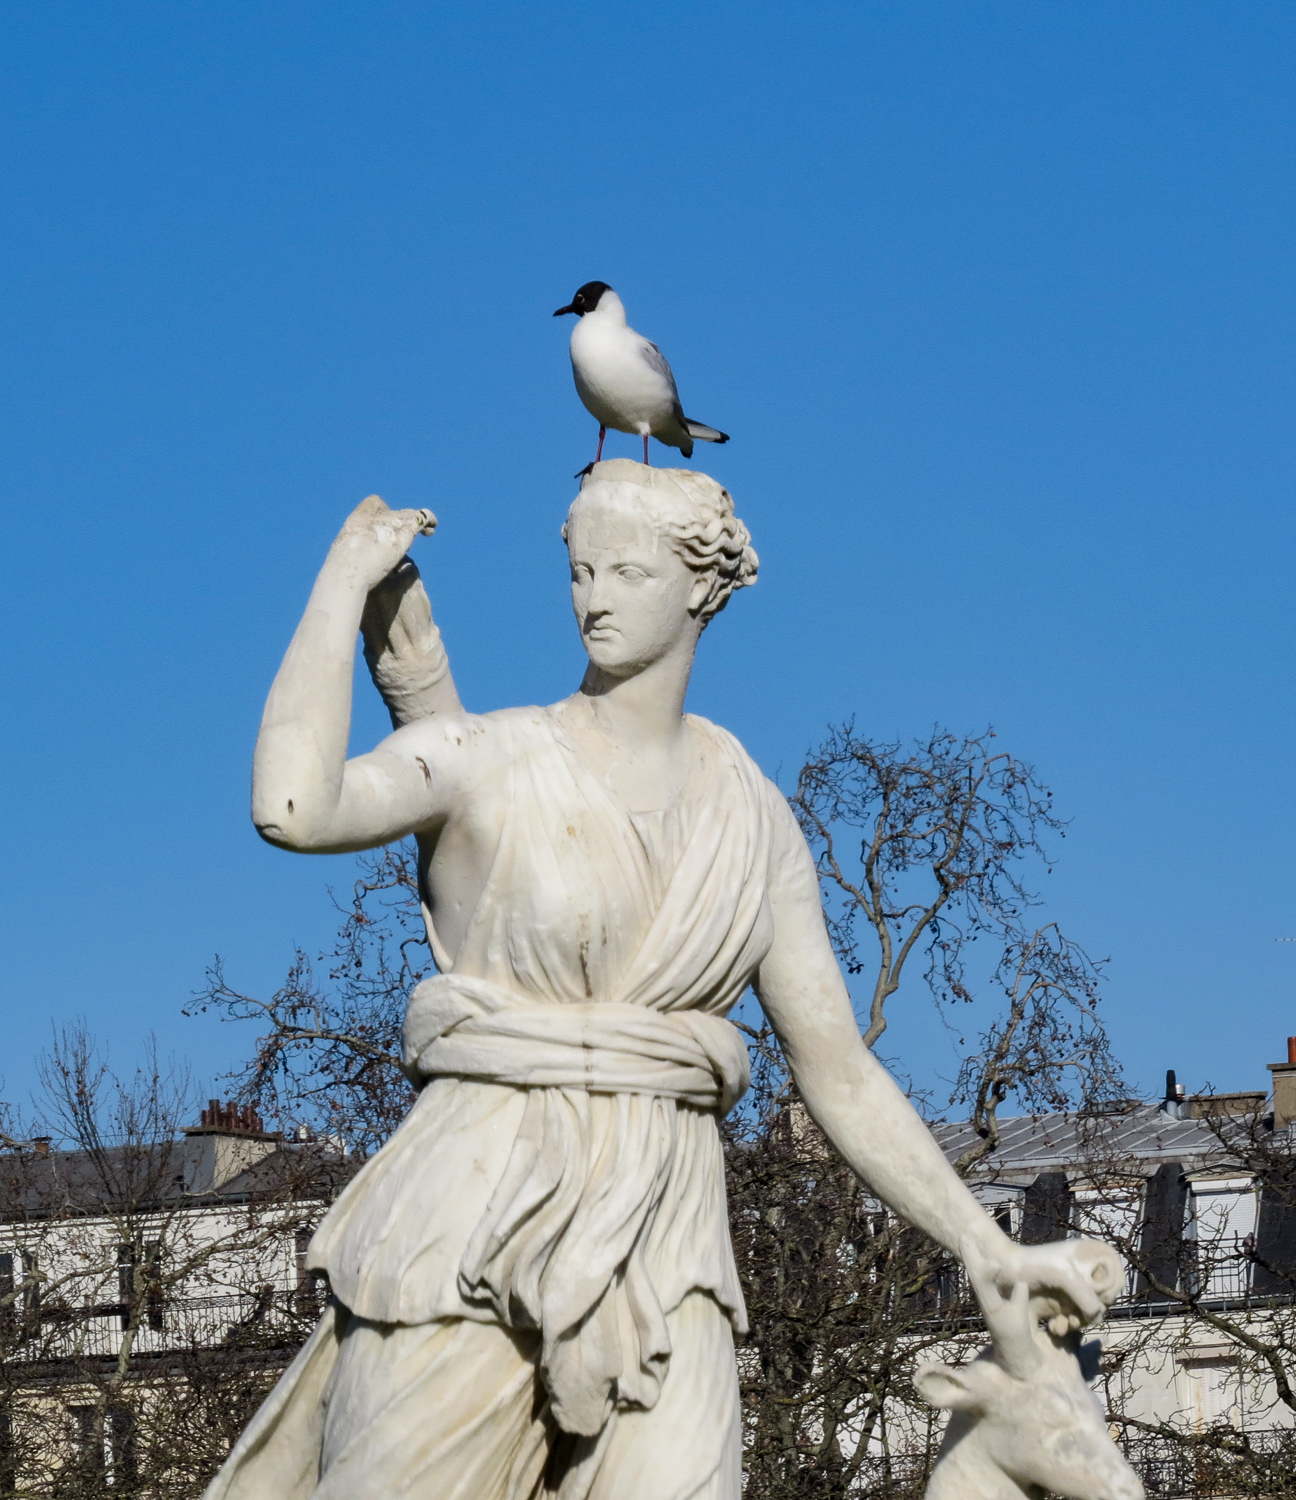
x: 619, y: 387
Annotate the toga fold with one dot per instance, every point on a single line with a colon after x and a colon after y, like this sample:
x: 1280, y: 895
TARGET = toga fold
x: 560, y: 1176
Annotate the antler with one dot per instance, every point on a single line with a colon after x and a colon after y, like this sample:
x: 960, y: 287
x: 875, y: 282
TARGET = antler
x: 1008, y: 1319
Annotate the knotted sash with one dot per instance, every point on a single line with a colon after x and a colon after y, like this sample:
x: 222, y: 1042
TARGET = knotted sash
x: 560, y: 1245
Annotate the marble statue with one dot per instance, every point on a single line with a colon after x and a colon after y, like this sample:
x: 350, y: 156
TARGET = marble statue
x: 533, y: 1287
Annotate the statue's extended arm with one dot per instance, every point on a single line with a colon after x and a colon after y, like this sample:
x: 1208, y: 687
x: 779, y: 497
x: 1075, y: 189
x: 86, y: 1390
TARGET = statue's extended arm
x: 867, y: 1118
x: 306, y: 795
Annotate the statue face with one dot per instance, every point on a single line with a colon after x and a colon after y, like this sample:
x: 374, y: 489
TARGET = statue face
x: 635, y: 598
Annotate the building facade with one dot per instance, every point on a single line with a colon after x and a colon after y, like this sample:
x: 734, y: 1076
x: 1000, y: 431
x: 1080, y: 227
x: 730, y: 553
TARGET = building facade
x: 1198, y: 1193
x: 149, y: 1294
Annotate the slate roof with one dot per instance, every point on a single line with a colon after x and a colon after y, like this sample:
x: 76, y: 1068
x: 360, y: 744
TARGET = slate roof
x: 33, y: 1186
x: 1138, y: 1138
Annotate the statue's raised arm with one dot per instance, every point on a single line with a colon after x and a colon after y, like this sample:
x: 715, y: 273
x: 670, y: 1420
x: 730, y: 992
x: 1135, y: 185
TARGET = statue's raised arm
x: 306, y: 796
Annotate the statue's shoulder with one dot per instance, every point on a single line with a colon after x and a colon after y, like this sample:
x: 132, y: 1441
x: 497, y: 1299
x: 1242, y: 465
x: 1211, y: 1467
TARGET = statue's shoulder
x: 717, y: 734
x: 508, y: 720
x: 498, y: 729
x: 522, y: 724
x: 517, y: 731
x: 733, y: 750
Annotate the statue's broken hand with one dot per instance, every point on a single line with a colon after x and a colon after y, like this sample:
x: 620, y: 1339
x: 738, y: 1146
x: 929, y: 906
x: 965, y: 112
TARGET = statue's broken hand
x: 1073, y: 1282
x: 374, y: 539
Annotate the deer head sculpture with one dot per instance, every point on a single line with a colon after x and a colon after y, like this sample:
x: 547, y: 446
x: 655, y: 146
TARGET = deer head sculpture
x: 1023, y: 1419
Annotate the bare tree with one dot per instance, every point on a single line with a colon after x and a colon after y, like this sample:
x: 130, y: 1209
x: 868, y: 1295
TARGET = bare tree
x: 842, y: 1300
x: 923, y: 844
x: 328, y: 1053
x: 1048, y: 1047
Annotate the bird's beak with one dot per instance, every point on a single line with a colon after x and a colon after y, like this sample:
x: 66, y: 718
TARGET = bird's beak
x: 563, y: 310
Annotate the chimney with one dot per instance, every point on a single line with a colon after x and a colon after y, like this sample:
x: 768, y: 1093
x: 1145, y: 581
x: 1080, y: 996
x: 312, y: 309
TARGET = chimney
x: 1174, y: 1104
x: 41, y: 1144
x: 227, y: 1141
x: 231, y: 1119
x: 1284, y: 1088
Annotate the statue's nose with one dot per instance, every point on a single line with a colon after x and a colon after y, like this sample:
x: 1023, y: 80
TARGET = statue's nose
x: 1127, y: 1486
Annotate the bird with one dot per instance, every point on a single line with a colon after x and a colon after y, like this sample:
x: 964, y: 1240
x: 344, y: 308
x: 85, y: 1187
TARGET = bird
x: 623, y: 379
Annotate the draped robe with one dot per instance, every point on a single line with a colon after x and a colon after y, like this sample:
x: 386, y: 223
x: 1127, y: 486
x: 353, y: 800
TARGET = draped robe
x: 560, y: 1173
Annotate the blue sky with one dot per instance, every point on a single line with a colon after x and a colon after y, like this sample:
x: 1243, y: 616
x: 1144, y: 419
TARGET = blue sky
x: 996, y: 300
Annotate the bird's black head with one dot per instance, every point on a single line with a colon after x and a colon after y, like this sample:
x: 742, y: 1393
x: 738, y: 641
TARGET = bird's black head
x: 585, y: 300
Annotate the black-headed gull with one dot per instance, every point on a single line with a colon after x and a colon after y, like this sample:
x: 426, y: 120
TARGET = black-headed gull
x: 624, y: 380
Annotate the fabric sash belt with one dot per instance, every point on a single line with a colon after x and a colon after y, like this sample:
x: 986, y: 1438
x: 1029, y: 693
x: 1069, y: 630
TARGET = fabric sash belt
x: 469, y: 1028
x: 560, y: 1247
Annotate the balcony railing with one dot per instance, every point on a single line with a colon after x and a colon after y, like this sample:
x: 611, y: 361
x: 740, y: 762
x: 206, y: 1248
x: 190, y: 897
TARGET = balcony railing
x: 270, y: 1315
x: 1226, y: 1281
x: 1241, y: 1463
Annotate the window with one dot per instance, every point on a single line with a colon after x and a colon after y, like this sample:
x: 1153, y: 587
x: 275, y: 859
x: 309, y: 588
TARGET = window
x: 8, y: 1307
x: 308, y: 1297
x: 8, y: 1456
x: 31, y: 1286
x: 87, y: 1438
x: 126, y: 1282
x: 1110, y: 1213
x: 139, y: 1270
x: 121, y: 1447
x: 950, y: 1286
x: 1212, y: 1391
x: 153, y: 1290
x: 105, y: 1446
x: 1003, y: 1206
x: 1222, y: 1222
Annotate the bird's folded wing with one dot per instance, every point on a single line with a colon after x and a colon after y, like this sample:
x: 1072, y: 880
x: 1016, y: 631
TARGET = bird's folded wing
x: 656, y: 360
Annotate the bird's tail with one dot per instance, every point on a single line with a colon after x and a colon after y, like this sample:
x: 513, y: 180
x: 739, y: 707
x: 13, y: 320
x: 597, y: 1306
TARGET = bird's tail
x: 703, y: 433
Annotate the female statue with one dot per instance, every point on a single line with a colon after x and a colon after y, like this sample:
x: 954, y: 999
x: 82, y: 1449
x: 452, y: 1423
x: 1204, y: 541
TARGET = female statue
x: 534, y: 1290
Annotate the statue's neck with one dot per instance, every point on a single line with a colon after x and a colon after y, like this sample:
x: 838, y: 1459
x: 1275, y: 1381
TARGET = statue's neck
x: 646, y: 709
x: 631, y: 732
x: 965, y: 1472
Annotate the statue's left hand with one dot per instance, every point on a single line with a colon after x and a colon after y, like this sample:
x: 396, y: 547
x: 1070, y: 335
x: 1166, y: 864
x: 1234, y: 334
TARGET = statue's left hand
x: 1072, y: 1282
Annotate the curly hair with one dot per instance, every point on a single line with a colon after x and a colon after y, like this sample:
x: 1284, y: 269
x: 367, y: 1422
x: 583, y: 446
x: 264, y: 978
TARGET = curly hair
x: 695, y: 515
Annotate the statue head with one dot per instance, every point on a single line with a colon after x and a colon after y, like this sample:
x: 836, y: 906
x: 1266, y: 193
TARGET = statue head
x: 655, y: 555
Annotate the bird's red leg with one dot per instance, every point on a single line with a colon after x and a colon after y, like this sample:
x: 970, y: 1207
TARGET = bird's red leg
x: 646, y: 448
x: 602, y: 434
